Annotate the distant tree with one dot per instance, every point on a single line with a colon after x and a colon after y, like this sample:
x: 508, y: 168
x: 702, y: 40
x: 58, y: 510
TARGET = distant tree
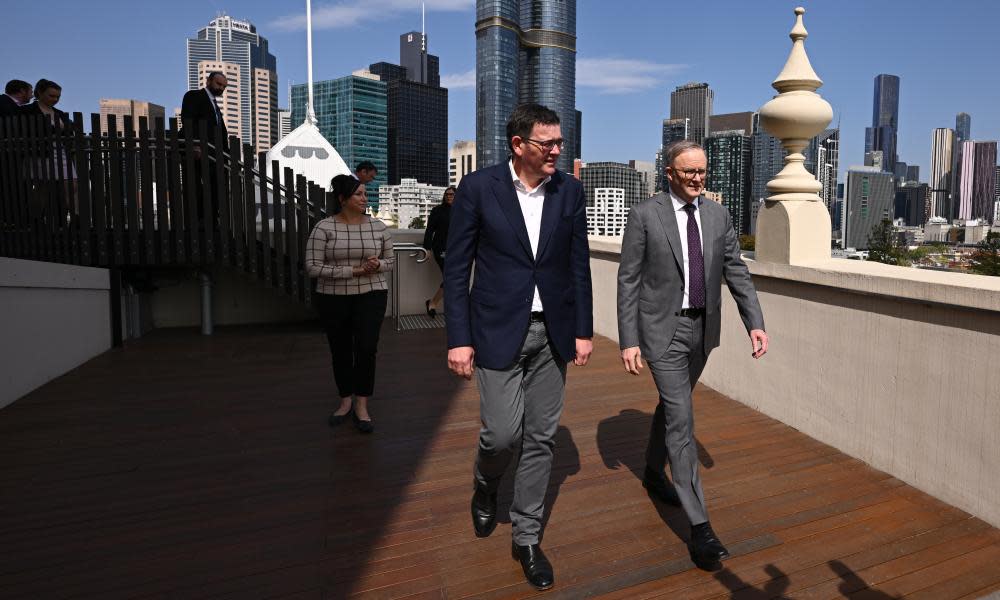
x: 418, y: 223
x: 884, y: 245
x: 986, y: 259
x: 748, y: 242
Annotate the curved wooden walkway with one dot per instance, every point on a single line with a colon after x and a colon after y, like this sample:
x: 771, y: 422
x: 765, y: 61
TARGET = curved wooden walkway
x: 189, y: 467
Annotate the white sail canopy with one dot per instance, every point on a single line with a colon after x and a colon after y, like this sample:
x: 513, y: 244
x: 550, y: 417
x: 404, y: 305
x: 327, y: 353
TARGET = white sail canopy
x: 307, y: 153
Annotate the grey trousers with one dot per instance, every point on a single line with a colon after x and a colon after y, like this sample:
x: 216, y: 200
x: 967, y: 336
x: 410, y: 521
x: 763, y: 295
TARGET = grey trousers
x: 671, y: 436
x: 520, y: 407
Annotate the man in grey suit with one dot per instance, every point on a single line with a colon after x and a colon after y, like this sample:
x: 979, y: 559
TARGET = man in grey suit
x: 677, y: 250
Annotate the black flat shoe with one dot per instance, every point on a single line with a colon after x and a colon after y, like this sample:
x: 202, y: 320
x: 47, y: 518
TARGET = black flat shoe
x: 707, y: 552
x: 537, y: 569
x: 338, y: 419
x: 364, y: 426
x: 430, y: 311
x: 484, y: 512
x: 658, y: 487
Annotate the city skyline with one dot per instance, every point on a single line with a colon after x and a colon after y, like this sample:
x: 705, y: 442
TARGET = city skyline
x: 614, y: 55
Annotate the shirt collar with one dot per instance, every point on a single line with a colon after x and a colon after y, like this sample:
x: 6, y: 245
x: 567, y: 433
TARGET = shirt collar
x: 518, y: 184
x: 679, y: 204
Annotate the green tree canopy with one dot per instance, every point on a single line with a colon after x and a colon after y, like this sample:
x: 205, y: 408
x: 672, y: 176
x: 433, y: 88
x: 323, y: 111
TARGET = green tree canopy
x: 986, y: 259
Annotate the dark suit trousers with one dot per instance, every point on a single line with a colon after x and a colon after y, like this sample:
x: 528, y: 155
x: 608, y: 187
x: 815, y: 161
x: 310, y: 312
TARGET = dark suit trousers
x: 671, y: 436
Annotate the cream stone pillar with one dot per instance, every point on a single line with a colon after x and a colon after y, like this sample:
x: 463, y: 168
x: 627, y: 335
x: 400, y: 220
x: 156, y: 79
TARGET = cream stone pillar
x: 793, y: 227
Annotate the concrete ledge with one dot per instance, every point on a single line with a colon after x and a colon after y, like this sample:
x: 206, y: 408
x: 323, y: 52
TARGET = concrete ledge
x: 53, y: 318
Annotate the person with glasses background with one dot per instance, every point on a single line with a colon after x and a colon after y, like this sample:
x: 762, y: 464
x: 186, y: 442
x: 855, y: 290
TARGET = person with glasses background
x: 349, y: 254
x: 436, y: 240
x: 528, y: 314
x: 677, y: 250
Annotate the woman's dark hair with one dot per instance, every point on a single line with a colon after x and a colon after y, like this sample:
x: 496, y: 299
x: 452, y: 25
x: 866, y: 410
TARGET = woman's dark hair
x: 343, y: 187
x: 450, y: 188
x: 44, y: 85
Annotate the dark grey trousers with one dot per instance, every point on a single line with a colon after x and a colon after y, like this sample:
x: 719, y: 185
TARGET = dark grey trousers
x: 671, y: 436
x: 520, y: 407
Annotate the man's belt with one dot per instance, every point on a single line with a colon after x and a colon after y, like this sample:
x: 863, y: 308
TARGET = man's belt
x: 691, y: 313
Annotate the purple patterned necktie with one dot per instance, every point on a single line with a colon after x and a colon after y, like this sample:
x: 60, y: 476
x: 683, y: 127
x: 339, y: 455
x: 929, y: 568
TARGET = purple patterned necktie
x: 696, y: 262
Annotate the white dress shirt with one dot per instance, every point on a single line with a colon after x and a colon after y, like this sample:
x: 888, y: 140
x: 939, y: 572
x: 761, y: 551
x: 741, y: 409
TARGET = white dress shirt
x: 682, y: 224
x: 531, y: 202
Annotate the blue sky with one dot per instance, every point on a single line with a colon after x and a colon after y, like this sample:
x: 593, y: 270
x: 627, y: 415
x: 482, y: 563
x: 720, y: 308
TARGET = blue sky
x: 631, y: 54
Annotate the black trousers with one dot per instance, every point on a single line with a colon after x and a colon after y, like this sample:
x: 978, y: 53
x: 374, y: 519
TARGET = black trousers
x: 352, y: 324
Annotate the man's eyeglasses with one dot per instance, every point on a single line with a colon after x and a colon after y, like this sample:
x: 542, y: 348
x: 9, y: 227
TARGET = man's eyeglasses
x: 547, y: 145
x: 690, y: 173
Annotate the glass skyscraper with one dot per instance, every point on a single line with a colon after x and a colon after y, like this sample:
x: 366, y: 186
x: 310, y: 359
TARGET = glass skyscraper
x: 352, y: 115
x: 525, y: 52
x: 881, y: 136
x: 730, y: 173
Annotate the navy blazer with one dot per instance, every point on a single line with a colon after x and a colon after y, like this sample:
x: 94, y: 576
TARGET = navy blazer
x: 487, y: 227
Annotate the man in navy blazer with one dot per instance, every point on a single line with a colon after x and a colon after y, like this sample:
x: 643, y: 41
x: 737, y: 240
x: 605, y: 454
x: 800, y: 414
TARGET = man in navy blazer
x: 528, y: 314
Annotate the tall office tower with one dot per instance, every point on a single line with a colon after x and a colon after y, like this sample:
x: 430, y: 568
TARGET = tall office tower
x: 978, y: 183
x: 525, y: 52
x: 408, y: 200
x: 885, y: 120
x: 613, y: 175
x: 418, y: 114
x: 913, y: 173
x: 578, y: 143
x: 869, y: 199
x: 910, y: 203
x: 768, y: 160
x: 659, y: 180
x: 899, y: 171
x: 942, y: 142
x: 693, y: 101
x: 352, y: 115
x: 461, y: 161
x: 823, y: 161
x: 251, y: 100
x: 129, y: 108
x: 284, y: 122
x: 741, y: 121
x: 963, y: 127
x: 730, y: 169
x: 674, y: 130
x: 648, y: 172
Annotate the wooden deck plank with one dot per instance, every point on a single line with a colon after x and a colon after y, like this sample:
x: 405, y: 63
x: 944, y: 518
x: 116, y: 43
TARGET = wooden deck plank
x: 184, y: 466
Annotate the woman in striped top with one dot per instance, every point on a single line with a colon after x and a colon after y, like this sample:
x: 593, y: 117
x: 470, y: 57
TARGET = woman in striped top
x: 349, y: 254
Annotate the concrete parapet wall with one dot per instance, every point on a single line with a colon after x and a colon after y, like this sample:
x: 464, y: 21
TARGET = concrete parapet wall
x: 894, y: 366
x: 53, y: 318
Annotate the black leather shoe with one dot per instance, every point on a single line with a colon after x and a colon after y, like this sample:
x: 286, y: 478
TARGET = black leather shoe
x: 338, y: 419
x: 484, y: 512
x: 707, y: 552
x: 537, y: 568
x: 658, y: 486
x: 430, y: 311
x: 364, y: 426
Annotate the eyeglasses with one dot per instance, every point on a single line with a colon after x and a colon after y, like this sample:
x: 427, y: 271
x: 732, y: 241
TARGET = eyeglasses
x: 547, y: 145
x: 690, y: 173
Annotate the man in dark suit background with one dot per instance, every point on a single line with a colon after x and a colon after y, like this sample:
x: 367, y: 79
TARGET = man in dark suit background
x: 677, y: 249
x: 16, y: 94
x: 203, y: 104
x: 528, y: 314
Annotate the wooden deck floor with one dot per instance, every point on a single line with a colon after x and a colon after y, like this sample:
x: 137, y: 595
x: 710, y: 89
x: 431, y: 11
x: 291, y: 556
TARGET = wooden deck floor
x: 190, y: 467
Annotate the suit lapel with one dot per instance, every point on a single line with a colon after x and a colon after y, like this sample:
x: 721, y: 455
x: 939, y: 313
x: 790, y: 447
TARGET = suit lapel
x: 668, y: 219
x: 551, y: 209
x: 510, y: 207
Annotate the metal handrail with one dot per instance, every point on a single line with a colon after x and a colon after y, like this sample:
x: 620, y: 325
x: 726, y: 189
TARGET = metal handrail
x: 414, y: 250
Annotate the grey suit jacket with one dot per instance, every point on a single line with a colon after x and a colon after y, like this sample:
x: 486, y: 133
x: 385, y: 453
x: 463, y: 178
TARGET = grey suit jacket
x: 651, y: 276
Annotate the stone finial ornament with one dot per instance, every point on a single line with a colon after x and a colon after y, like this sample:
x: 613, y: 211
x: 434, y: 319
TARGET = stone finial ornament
x: 793, y: 227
